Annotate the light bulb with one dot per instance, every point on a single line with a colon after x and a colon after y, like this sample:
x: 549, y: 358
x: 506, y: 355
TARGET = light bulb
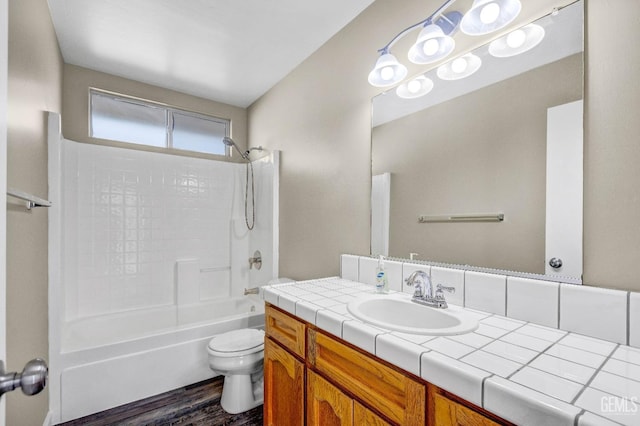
x: 459, y: 65
x: 430, y: 47
x: 516, y: 38
x: 414, y: 86
x: 489, y: 13
x: 387, y: 73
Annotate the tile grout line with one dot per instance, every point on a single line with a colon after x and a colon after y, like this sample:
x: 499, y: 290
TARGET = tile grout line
x: 558, y: 307
x: 595, y: 373
x: 628, y: 318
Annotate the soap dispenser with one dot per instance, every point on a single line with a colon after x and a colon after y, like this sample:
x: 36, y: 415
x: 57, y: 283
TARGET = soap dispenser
x: 382, y: 284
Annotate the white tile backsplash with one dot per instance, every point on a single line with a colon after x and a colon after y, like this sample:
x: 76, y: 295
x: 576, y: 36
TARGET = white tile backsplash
x: 485, y: 292
x: 593, y: 311
x: 349, y: 268
x: 367, y: 270
x: 533, y: 301
x: 450, y: 278
x: 393, y: 270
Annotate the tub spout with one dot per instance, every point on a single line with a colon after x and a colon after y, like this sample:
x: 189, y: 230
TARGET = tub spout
x: 253, y: 290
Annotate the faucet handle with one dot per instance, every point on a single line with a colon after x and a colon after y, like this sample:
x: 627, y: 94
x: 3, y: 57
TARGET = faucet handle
x: 440, y: 294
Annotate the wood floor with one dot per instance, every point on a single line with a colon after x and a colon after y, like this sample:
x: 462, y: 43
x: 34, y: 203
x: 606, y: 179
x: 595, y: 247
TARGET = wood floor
x: 197, y: 404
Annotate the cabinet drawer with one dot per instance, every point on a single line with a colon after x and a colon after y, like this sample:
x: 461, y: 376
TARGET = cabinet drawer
x: 378, y: 386
x: 285, y: 329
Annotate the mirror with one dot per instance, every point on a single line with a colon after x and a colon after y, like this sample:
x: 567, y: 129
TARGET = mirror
x: 478, y: 146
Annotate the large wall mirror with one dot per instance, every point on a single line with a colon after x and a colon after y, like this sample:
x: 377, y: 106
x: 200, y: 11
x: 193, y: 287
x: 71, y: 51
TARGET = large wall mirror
x: 505, y: 142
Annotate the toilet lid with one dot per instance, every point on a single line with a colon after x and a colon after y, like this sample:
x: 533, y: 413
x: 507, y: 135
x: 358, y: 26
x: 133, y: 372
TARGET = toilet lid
x: 247, y: 340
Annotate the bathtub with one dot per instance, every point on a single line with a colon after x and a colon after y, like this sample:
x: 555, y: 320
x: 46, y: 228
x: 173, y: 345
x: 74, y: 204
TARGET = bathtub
x: 110, y: 360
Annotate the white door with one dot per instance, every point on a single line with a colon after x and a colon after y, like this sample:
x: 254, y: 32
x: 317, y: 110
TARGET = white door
x: 3, y: 183
x: 564, y: 191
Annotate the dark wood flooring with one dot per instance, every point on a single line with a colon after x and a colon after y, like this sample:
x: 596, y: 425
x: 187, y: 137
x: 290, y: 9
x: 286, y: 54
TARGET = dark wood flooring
x: 197, y: 404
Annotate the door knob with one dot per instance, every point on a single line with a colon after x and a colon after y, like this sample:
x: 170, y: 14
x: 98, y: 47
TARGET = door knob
x: 555, y: 263
x: 32, y: 379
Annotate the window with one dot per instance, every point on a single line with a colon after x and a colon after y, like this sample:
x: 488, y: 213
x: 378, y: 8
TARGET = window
x: 135, y: 121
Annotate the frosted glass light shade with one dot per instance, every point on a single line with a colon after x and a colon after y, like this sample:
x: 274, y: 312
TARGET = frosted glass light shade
x: 415, y: 88
x: 517, y: 42
x: 387, y: 71
x: 460, y: 67
x: 487, y: 16
x: 432, y: 45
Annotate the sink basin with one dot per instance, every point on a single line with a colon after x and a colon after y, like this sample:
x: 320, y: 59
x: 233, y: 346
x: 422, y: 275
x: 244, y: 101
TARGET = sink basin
x: 399, y: 313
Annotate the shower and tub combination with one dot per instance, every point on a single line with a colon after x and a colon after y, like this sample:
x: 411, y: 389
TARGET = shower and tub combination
x: 149, y: 256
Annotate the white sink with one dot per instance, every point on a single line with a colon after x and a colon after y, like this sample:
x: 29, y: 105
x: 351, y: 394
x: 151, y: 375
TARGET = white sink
x: 398, y: 313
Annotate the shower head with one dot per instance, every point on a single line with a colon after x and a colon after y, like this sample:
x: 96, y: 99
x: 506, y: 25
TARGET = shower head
x: 231, y: 144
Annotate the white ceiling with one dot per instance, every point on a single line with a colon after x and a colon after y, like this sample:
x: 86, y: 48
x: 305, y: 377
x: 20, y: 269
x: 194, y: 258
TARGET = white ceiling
x: 228, y: 51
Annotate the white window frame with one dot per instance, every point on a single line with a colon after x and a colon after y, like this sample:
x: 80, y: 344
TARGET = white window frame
x: 169, y: 120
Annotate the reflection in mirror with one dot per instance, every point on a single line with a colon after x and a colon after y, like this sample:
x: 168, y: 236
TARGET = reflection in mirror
x: 482, y: 145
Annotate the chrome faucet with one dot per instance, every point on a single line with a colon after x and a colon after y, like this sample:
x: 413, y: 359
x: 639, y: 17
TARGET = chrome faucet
x: 424, y: 294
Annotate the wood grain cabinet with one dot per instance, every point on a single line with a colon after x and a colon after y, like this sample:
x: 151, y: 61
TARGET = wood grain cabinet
x: 329, y: 406
x: 312, y: 378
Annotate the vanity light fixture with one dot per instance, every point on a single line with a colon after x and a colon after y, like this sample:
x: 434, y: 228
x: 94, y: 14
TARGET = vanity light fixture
x: 517, y: 41
x: 387, y: 71
x: 460, y: 67
x: 435, y: 41
x: 487, y: 16
x: 415, y: 88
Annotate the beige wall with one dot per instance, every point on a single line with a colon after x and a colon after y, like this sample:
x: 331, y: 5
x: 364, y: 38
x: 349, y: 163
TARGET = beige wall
x: 479, y: 153
x: 75, y: 104
x: 35, y: 81
x: 612, y: 146
x: 319, y: 117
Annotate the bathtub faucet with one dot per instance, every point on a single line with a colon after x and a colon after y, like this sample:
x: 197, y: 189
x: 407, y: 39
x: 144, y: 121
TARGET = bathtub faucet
x: 253, y: 290
x: 256, y: 260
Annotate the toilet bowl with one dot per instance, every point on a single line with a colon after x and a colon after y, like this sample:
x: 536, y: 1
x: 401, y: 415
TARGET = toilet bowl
x: 239, y: 356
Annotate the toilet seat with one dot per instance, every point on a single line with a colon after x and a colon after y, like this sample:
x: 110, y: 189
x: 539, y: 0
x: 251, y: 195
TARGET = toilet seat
x: 237, y: 343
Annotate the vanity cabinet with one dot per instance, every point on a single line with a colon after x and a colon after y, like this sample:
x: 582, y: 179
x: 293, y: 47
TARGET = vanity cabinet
x: 328, y: 405
x: 284, y: 370
x: 313, y: 376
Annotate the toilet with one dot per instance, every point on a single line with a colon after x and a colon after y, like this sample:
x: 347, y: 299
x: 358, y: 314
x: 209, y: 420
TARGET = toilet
x: 239, y: 355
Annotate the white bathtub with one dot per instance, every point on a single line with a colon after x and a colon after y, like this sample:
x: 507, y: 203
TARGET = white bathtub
x: 112, y: 360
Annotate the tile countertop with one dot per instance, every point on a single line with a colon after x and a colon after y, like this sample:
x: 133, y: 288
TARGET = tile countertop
x: 525, y: 373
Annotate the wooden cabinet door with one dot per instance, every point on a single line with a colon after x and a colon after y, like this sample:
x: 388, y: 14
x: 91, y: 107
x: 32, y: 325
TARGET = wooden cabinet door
x: 283, y: 387
x: 326, y: 404
x: 362, y: 416
x: 450, y: 413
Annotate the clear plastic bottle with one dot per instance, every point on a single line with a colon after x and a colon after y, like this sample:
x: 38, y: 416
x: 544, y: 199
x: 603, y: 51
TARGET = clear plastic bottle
x: 382, y: 284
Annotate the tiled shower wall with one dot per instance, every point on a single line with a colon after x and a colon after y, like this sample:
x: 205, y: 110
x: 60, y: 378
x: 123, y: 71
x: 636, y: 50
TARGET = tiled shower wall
x: 129, y: 215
